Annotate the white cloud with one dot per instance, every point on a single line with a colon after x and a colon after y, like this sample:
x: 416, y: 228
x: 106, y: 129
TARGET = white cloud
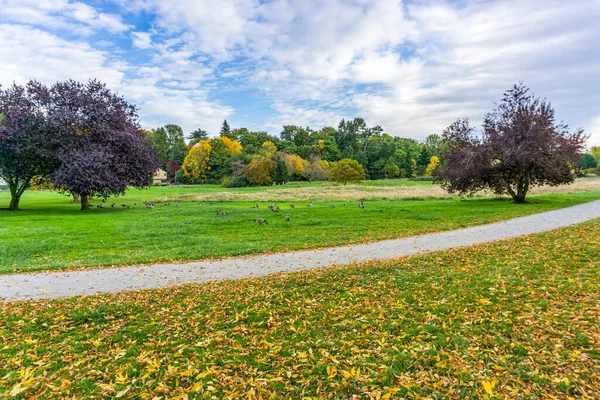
x: 37, y: 54
x: 411, y: 67
x: 141, y: 40
x: 61, y: 14
x: 302, y: 116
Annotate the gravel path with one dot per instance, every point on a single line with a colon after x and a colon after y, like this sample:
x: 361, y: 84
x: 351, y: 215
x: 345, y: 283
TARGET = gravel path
x: 67, y: 284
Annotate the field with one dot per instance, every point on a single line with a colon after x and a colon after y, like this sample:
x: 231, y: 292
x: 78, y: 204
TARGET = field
x: 51, y: 233
x: 513, y: 319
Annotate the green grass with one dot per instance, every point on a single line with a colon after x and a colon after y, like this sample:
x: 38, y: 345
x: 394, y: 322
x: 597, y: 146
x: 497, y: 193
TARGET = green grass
x: 513, y: 319
x: 51, y: 233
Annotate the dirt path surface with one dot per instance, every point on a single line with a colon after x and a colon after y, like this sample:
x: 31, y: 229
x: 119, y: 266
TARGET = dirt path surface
x: 86, y: 282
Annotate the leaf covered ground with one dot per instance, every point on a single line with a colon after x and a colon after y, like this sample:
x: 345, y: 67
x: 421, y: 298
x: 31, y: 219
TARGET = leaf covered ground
x: 512, y: 319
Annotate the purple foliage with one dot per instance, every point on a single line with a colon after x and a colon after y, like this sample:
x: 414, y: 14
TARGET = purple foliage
x: 103, y: 150
x: 25, y: 143
x: 522, y: 146
x: 82, y: 136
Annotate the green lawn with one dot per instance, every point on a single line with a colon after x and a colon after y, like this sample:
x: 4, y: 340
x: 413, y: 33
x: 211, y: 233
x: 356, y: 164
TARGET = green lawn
x: 515, y: 319
x: 51, y: 233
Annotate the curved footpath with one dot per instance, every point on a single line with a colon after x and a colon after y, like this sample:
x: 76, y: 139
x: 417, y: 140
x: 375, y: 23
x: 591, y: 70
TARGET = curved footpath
x: 67, y: 284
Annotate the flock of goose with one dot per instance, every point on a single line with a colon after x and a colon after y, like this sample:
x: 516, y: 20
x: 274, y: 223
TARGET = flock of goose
x: 273, y: 207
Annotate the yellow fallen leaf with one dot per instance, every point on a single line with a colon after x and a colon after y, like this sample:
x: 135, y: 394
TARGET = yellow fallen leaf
x: 489, y: 387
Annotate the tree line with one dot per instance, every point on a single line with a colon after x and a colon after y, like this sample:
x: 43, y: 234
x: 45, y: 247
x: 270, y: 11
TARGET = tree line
x: 242, y: 157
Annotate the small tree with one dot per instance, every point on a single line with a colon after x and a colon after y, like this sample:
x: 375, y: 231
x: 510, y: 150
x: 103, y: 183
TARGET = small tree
x: 433, y: 163
x: 391, y: 170
x: 317, y: 170
x: 595, y: 153
x: 295, y: 165
x: 199, y: 134
x: 281, y: 172
x: 195, y: 164
x: 27, y: 148
x: 522, y: 146
x: 347, y: 170
x: 268, y: 149
x: 261, y: 171
x: 225, y: 129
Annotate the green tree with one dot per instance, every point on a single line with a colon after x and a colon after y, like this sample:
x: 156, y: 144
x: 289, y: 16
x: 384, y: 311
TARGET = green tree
x: 588, y: 161
x: 226, y: 131
x: 177, y: 147
x: 391, y: 170
x: 423, y: 159
x: 281, y: 171
x: 198, y: 135
x: 160, y: 141
x: 347, y: 170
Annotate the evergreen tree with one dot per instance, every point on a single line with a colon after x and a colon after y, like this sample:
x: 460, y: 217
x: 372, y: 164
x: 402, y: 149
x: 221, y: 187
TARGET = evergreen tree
x: 225, y: 129
x: 281, y: 171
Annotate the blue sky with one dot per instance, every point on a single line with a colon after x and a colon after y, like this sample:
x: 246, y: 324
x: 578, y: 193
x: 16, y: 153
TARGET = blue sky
x: 410, y: 66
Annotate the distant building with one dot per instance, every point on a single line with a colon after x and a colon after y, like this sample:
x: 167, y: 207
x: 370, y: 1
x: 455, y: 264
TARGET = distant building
x: 159, y: 177
x: 3, y: 184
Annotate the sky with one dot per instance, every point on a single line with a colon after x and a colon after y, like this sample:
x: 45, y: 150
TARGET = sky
x: 412, y: 67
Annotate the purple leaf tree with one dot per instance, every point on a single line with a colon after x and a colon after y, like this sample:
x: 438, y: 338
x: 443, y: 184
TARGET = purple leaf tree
x: 521, y: 146
x: 27, y: 148
x: 103, y: 151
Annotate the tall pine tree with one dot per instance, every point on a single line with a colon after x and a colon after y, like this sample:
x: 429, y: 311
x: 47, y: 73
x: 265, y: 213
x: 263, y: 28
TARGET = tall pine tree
x: 225, y: 129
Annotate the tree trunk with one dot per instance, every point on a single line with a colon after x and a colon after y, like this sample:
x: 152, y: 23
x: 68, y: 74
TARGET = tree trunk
x: 85, y: 204
x: 16, y: 192
x: 14, y: 203
x: 75, y: 198
x: 522, y: 189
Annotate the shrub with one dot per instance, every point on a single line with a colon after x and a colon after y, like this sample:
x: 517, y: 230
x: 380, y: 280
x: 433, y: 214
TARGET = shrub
x: 421, y: 179
x: 347, y: 170
x: 235, y: 182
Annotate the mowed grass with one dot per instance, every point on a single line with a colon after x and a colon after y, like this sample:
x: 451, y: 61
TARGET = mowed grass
x: 513, y: 319
x: 51, y: 233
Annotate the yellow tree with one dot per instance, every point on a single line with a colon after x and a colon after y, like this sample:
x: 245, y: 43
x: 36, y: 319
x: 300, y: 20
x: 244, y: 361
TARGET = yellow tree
x: 232, y: 146
x: 195, y: 164
x: 261, y: 171
x: 295, y: 164
x: 433, y: 163
x: 595, y: 152
x: 347, y: 170
x: 268, y: 149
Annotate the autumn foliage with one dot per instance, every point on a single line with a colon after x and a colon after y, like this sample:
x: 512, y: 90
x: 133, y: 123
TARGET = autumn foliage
x: 522, y: 146
x: 261, y: 171
x: 347, y: 170
x: 195, y: 164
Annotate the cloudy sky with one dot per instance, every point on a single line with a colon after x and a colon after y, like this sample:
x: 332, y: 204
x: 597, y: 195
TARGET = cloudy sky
x: 410, y: 66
